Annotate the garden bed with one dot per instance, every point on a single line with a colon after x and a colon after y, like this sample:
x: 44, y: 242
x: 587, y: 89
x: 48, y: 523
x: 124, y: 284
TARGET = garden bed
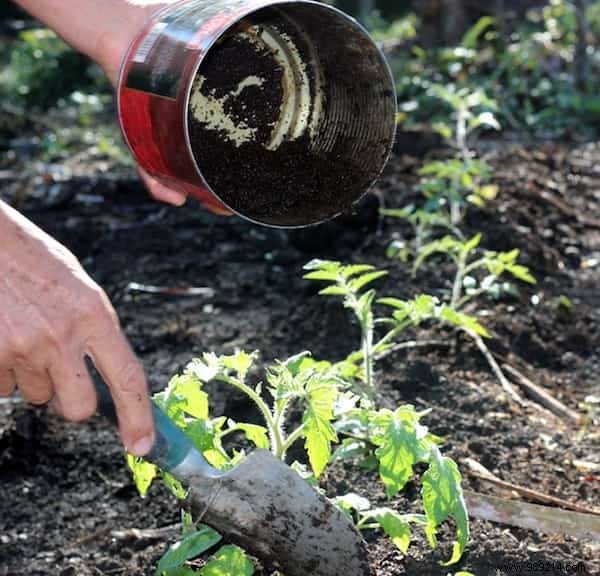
x: 67, y: 501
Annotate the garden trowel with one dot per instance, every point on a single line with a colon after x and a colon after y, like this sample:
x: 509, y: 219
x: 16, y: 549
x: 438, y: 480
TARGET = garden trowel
x: 261, y: 504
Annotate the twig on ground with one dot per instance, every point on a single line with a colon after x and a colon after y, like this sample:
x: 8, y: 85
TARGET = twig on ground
x: 532, y: 516
x: 171, y: 290
x: 540, y: 395
x: 506, y: 385
x: 411, y: 344
x: 161, y: 533
x: 479, y: 471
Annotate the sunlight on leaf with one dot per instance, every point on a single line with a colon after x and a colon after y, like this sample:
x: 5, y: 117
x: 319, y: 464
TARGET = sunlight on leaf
x: 190, y: 547
x: 229, y: 561
x: 143, y: 473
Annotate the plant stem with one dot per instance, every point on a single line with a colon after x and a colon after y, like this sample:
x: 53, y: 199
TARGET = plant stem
x: 458, y: 281
x: 291, y: 439
x: 272, y: 426
x: 367, y: 346
x: 508, y: 387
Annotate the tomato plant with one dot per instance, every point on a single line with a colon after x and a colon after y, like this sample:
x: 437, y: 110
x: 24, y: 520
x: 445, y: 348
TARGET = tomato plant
x: 335, y: 417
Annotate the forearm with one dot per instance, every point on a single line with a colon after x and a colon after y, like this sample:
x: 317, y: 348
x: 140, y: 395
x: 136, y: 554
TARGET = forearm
x: 101, y: 29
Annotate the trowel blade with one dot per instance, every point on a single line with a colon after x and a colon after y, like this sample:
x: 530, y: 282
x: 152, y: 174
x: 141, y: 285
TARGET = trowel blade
x: 270, y: 511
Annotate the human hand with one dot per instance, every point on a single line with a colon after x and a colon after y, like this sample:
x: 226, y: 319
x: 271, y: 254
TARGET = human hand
x: 104, y: 29
x: 52, y: 315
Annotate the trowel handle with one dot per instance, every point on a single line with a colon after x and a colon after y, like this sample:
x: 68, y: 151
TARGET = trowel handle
x: 171, y: 446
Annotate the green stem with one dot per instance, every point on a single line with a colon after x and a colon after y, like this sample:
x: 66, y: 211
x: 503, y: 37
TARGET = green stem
x: 458, y: 281
x: 474, y: 266
x: 367, y: 346
x: 291, y: 439
x: 274, y: 430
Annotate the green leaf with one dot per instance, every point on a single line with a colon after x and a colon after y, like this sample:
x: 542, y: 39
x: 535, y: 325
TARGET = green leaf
x: 521, y: 272
x: 394, y: 525
x: 240, y: 362
x: 258, y: 435
x: 175, y: 486
x: 358, y: 283
x: 462, y: 321
x: 318, y: 430
x: 471, y: 38
x: 351, y: 501
x: 185, y: 392
x: 322, y: 275
x: 471, y: 244
x: 191, y: 546
x: 402, y: 444
x: 229, y: 561
x: 143, y: 473
x: 204, y: 434
x: 442, y: 497
x: 355, y: 269
x: 295, y: 364
x: 318, y: 264
x: 334, y: 291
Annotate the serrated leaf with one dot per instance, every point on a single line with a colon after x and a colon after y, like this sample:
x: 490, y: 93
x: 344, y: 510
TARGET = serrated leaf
x: 258, y: 435
x: 318, y: 430
x: 187, y: 388
x: 402, y: 443
x: 143, y: 473
x: 442, y: 497
x: 174, y: 486
x: 358, y: 283
x: 229, y: 561
x: 240, y: 362
x: 189, y: 547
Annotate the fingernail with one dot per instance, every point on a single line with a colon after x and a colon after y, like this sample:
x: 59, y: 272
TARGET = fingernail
x: 142, y: 446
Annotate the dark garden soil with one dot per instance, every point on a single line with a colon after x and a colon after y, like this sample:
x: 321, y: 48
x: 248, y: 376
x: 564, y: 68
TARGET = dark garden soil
x: 66, y: 500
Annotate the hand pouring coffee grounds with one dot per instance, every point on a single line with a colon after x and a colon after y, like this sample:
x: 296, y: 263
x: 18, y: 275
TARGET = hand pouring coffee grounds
x: 281, y: 112
x: 262, y: 504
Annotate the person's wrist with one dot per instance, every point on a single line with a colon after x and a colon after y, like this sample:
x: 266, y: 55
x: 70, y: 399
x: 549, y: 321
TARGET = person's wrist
x: 113, y: 44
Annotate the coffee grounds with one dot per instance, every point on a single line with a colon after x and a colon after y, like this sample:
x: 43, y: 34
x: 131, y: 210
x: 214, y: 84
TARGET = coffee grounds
x: 289, y: 186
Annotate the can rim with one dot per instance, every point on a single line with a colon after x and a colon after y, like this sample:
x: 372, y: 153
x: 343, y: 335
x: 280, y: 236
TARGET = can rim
x: 245, y: 12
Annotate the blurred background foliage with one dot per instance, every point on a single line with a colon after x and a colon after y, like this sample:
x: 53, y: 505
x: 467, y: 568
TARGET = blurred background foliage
x: 538, y: 61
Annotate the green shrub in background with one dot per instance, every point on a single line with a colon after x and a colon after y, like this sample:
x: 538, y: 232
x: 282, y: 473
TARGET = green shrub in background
x: 531, y: 67
x: 41, y: 69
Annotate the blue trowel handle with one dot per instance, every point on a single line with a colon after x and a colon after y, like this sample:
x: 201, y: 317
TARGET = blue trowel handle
x: 171, y: 446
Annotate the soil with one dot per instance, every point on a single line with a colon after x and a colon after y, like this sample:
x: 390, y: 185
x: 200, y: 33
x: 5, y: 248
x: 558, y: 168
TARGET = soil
x: 293, y: 185
x: 64, y: 487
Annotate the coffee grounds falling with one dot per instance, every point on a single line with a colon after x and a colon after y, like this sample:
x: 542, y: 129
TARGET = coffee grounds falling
x: 290, y: 186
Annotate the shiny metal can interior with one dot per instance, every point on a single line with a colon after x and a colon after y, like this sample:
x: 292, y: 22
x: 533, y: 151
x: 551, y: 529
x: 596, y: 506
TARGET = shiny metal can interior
x: 282, y: 112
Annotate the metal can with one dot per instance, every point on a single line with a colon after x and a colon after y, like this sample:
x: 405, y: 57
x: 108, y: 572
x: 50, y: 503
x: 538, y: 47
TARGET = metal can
x: 280, y: 111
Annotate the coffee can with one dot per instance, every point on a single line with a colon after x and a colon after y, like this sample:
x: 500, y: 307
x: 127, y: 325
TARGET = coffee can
x: 282, y: 112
